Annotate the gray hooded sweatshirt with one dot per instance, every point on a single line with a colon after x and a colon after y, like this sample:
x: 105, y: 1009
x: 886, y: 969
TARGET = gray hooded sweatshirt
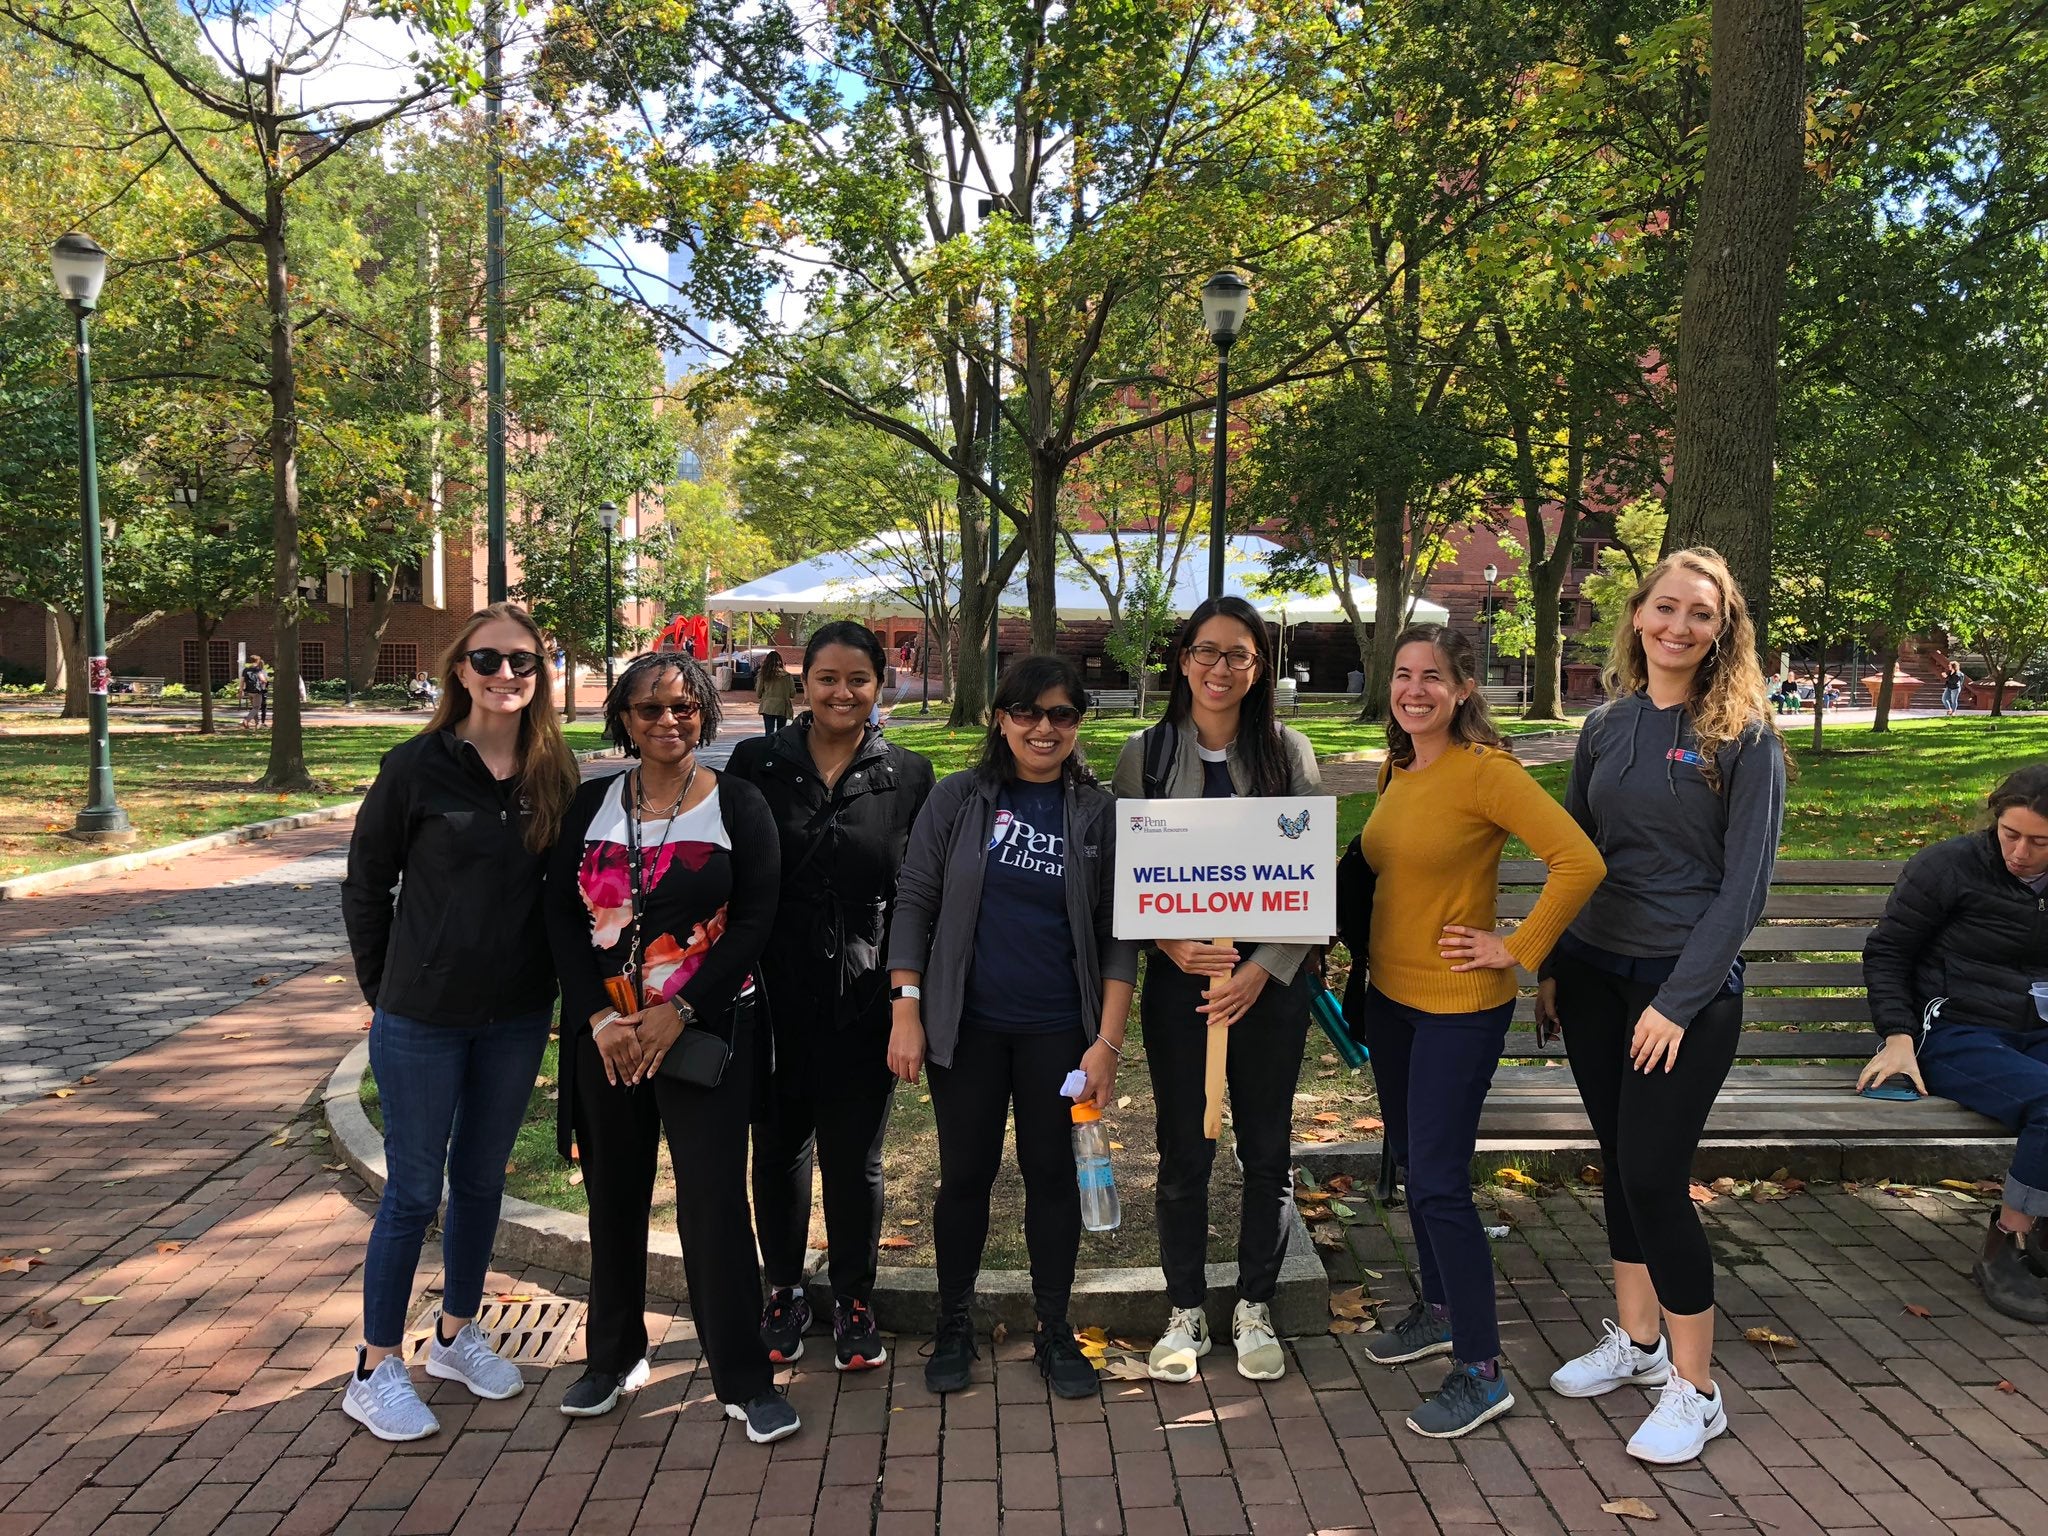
x: 1687, y: 868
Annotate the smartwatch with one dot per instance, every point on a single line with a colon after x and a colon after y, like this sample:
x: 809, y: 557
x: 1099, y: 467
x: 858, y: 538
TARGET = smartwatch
x: 897, y: 994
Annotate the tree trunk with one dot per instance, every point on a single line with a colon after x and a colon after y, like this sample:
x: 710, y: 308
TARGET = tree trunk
x: 1042, y: 570
x: 568, y: 682
x: 56, y: 668
x: 1390, y: 592
x: 366, y: 654
x: 287, y: 767
x: 71, y: 645
x: 1883, y: 719
x: 1820, y: 699
x: 1998, y: 675
x: 1726, y: 422
x: 204, y: 631
x: 1546, y: 692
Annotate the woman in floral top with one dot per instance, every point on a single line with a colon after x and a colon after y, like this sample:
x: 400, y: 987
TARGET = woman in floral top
x: 660, y: 896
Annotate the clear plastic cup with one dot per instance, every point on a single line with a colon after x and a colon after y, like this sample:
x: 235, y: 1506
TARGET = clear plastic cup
x: 2040, y: 991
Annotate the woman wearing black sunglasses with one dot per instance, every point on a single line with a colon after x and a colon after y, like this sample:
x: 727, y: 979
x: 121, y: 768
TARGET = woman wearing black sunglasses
x: 1006, y: 979
x: 661, y: 895
x: 457, y: 970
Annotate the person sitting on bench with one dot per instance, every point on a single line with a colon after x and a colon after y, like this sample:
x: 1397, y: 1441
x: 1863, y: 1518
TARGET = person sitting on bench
x: 1958, y: 977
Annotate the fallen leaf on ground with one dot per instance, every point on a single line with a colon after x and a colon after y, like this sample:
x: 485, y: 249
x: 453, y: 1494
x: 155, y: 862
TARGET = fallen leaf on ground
x: 1349, y: 1303
x: 1723, y: 1186
x: 1701, y: 1195
x: 1635, y: 1509
x: 87, y: 1081
x: 1988, y: 1187
x: 1768, y: 1336
x: 335, y: 1167
x: 1341, y: 1211
x: 1124, y: 1102
x: 894, y: 1241
x: 1967, y: 1186
x: 14, y: 1266
x: 1592, y: 1173
x: 1341, y: 1184
x: 1514, y: 1178
x: 278, y: 1141
x: 41, y: 1317
x: 1329, y: 1235
x: 1367, y: 1123
x: 244, y: 1035
x: 908, y: 1221
x: 924, y: 1098
x: 1307, y: 1195
x: 1914, y: 1309
x: 1781, y: 1175
x: 1343, y: 1325
x: 1123, y: 1368
x: 98, y: 1301
x: 1327, y: 1118
x: 331, y: 980
x: 1766, y: 1191
x: 513, y: 1296
x: 264, y: 981
x: 1795, y: 1186
x: 1850, y: 1186
x: 1315, y: 1213
x: 61, y: 1093
x: 169, y: 1247
x: 2006, y: 1386
x: 575, y: 1176
x: 1116, y: 1146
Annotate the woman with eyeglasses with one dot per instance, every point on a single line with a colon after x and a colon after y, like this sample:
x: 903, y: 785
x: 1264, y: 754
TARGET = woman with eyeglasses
x: 1219, y: 739
x: 661, y: 895
x: 454, y: 962
x: 1006, y: 979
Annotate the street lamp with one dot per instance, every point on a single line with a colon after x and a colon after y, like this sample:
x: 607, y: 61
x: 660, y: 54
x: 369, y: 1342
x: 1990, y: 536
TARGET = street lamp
x: 608, y: 519
x: 80, y: 267
x: 1492, y: 574
x: 348, y: 649
x: 930, y: 578
x: 1224, y: 300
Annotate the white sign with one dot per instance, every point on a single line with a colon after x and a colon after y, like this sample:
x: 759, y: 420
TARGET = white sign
x: 1227, y: 869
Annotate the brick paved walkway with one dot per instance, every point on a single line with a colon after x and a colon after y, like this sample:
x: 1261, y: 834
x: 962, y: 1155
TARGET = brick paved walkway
x: 190, y: 1183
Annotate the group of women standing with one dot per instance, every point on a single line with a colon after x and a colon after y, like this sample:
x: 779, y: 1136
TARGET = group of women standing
x: 962, y: 929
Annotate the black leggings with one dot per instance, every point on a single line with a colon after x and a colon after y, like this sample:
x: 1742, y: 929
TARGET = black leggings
x: 1649, y: 1123
x: 971, y: 1100
x: 1263, y: 1063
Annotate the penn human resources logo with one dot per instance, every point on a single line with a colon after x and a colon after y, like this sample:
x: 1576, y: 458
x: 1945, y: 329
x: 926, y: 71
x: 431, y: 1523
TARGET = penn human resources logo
x: 1148, y: 824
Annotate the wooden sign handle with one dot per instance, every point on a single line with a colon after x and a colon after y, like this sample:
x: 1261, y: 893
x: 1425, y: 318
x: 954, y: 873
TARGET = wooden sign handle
x: 1213, y: 1071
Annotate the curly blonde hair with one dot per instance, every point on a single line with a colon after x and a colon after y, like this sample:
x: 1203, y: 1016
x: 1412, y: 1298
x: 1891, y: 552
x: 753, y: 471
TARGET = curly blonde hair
x: 1728, y: 689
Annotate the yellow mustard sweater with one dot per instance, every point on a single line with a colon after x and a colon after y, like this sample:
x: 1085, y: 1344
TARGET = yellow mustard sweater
x: 1434, y: 843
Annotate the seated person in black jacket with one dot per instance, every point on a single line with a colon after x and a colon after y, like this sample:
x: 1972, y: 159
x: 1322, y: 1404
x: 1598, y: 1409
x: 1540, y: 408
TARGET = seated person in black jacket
x: 1958, y: 979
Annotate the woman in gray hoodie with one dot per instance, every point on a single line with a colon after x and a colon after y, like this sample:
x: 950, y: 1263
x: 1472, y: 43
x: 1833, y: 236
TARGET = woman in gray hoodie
x: 1680, y: 781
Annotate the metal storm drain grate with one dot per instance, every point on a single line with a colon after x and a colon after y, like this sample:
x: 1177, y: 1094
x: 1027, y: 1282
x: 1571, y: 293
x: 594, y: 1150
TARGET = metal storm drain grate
x: 527, y: 1330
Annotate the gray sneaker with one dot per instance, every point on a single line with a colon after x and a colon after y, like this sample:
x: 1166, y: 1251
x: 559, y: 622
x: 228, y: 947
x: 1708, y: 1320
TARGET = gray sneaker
x: 472, y: 1361
x: 386, y: 1403
x: 1419, y: 1334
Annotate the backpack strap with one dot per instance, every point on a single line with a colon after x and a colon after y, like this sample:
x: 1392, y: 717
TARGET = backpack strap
x: 1162, y: 745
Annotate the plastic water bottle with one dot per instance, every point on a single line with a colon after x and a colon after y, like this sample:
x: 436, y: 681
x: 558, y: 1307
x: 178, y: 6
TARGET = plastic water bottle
x: 1101, y: 1211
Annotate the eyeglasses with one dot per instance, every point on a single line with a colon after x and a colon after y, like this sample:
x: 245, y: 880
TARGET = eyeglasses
x: 647, y: 712
x: 1206, y: 655
x: 1064, y: 717
x: 487, y: 661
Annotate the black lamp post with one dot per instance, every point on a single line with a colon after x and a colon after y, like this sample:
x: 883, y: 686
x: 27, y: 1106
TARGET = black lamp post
x: 348, y: 649
x: 1492, y: 574
x: 608, y: 519
x: 80, y: 267
x: 1224, y: 300
x: 930, y: 579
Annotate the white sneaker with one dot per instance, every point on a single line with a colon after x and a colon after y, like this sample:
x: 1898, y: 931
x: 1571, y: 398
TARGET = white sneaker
x: 1680, y: 1426
x: 1259, y: 1355
x: 1184, y: 1343
x: 471, y: 1361
x: 387, y: 1404
x: 1614, y: 1362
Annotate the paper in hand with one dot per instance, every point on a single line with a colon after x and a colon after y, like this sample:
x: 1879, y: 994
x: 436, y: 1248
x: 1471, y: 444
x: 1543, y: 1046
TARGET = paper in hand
x: 1075, y: 1085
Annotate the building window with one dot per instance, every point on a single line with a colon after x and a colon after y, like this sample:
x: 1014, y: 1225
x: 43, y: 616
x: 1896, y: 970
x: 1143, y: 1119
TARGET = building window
x: 312, y: 660
x: 396, y: 663
x: 221, y: 655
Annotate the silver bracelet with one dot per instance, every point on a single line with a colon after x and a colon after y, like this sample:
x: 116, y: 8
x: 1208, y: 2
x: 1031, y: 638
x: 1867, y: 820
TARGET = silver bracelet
x: 605, y: 1023
x: 1105, y: 1040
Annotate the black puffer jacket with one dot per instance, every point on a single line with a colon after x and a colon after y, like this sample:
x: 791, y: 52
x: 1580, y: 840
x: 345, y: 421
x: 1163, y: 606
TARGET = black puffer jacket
x: 841, y: 849
x: 1961, y: 931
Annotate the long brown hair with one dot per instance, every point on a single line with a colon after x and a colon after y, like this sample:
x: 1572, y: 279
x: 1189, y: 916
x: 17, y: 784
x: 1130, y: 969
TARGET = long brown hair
x: 547, y: 769
x: 1728, y: 696
x: 1472, y: 721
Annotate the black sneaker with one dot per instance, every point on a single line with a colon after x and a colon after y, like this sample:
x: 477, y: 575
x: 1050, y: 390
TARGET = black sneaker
x: 2007, y: 1280
x: 953, y: 1354
x: 598, y: 1392
x: 768, y: 1417
x: 855, y: 1338
x: 784, y: 1322
x: 1062, y: 1364
x: 1419, y: 1334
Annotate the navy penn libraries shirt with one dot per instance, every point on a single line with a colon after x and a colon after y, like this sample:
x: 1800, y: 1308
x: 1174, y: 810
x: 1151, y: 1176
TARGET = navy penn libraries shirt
x: 1023, y: 977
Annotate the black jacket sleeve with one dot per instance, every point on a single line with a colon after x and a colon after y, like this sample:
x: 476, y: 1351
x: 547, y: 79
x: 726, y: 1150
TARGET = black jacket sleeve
x: 921, y: 882
x: 750, y: 909
x: 568, y: 922
x: 1117, y: 958
x: 376, y: 859
x: 1914, y: 915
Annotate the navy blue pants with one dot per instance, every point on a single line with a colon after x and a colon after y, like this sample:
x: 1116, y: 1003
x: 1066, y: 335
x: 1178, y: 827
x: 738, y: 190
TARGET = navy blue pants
x: 1433, y: 1070
x: 452, y: 1099
x: 2003, y: 1074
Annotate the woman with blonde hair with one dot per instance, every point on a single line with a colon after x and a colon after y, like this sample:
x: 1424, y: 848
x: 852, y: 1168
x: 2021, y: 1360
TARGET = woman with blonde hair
x: 457, y: 971
x: 1680, y: 781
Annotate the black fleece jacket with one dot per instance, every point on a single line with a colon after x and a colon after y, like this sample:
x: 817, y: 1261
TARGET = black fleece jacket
x: 1962, y: 931
x: 463, y: 943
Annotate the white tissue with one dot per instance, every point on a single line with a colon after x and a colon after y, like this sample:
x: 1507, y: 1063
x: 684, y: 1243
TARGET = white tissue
x: 1075, y: 1085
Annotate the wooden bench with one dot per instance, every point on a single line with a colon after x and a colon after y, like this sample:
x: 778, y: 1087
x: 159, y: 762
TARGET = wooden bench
x: 138, y: 687
x: 1502, y: 695
x: 1114, y: 701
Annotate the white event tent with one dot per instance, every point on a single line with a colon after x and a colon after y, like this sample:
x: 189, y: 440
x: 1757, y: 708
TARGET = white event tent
x: 877, y: 579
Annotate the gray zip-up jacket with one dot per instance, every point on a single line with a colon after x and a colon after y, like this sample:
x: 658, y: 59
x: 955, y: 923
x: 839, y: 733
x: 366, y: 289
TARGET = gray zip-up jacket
x: 938, y: 901
x: 1184, y: 782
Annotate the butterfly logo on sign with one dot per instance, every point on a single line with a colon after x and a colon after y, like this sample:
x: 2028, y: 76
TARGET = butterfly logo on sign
x: 1291, y: 827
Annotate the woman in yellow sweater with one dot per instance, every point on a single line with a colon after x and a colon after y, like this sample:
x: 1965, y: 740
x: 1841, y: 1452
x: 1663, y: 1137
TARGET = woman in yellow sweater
x: 1443, y: 990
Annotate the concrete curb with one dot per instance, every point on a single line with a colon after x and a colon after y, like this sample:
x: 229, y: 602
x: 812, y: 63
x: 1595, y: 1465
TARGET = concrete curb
x: 1909, y: 1161
x: 1128, y: 1301
x: 126, y: 863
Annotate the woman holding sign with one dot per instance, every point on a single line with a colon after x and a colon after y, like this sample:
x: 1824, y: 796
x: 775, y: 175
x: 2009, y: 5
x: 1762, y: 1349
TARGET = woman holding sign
x: 1443, y: 990
x: 1007, y: 981
x: 1220, y: 739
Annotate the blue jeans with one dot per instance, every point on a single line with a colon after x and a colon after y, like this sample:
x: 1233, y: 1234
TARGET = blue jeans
x: 2003, y: 1074
x: 452, y: 1099
x: 1433, y: 1070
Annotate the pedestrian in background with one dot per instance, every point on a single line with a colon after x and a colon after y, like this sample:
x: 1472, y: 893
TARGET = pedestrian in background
x: 1679, y: 779
x: 774, y: 692
x: 661, y: 896
x: 1952, y: 689
x: 1442, y: 990
x: 458, y: 824
x: 1220, y: 738
x: 844, y: 801
x: 1006, y: 979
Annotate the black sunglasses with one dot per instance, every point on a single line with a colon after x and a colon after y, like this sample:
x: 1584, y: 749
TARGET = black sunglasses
x: 487, y: 661
x: 1064, y: 717
x: 648, y: 712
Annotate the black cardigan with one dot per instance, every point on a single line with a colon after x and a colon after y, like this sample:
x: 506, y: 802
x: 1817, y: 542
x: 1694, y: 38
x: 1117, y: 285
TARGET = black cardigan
x: 749, y: 911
